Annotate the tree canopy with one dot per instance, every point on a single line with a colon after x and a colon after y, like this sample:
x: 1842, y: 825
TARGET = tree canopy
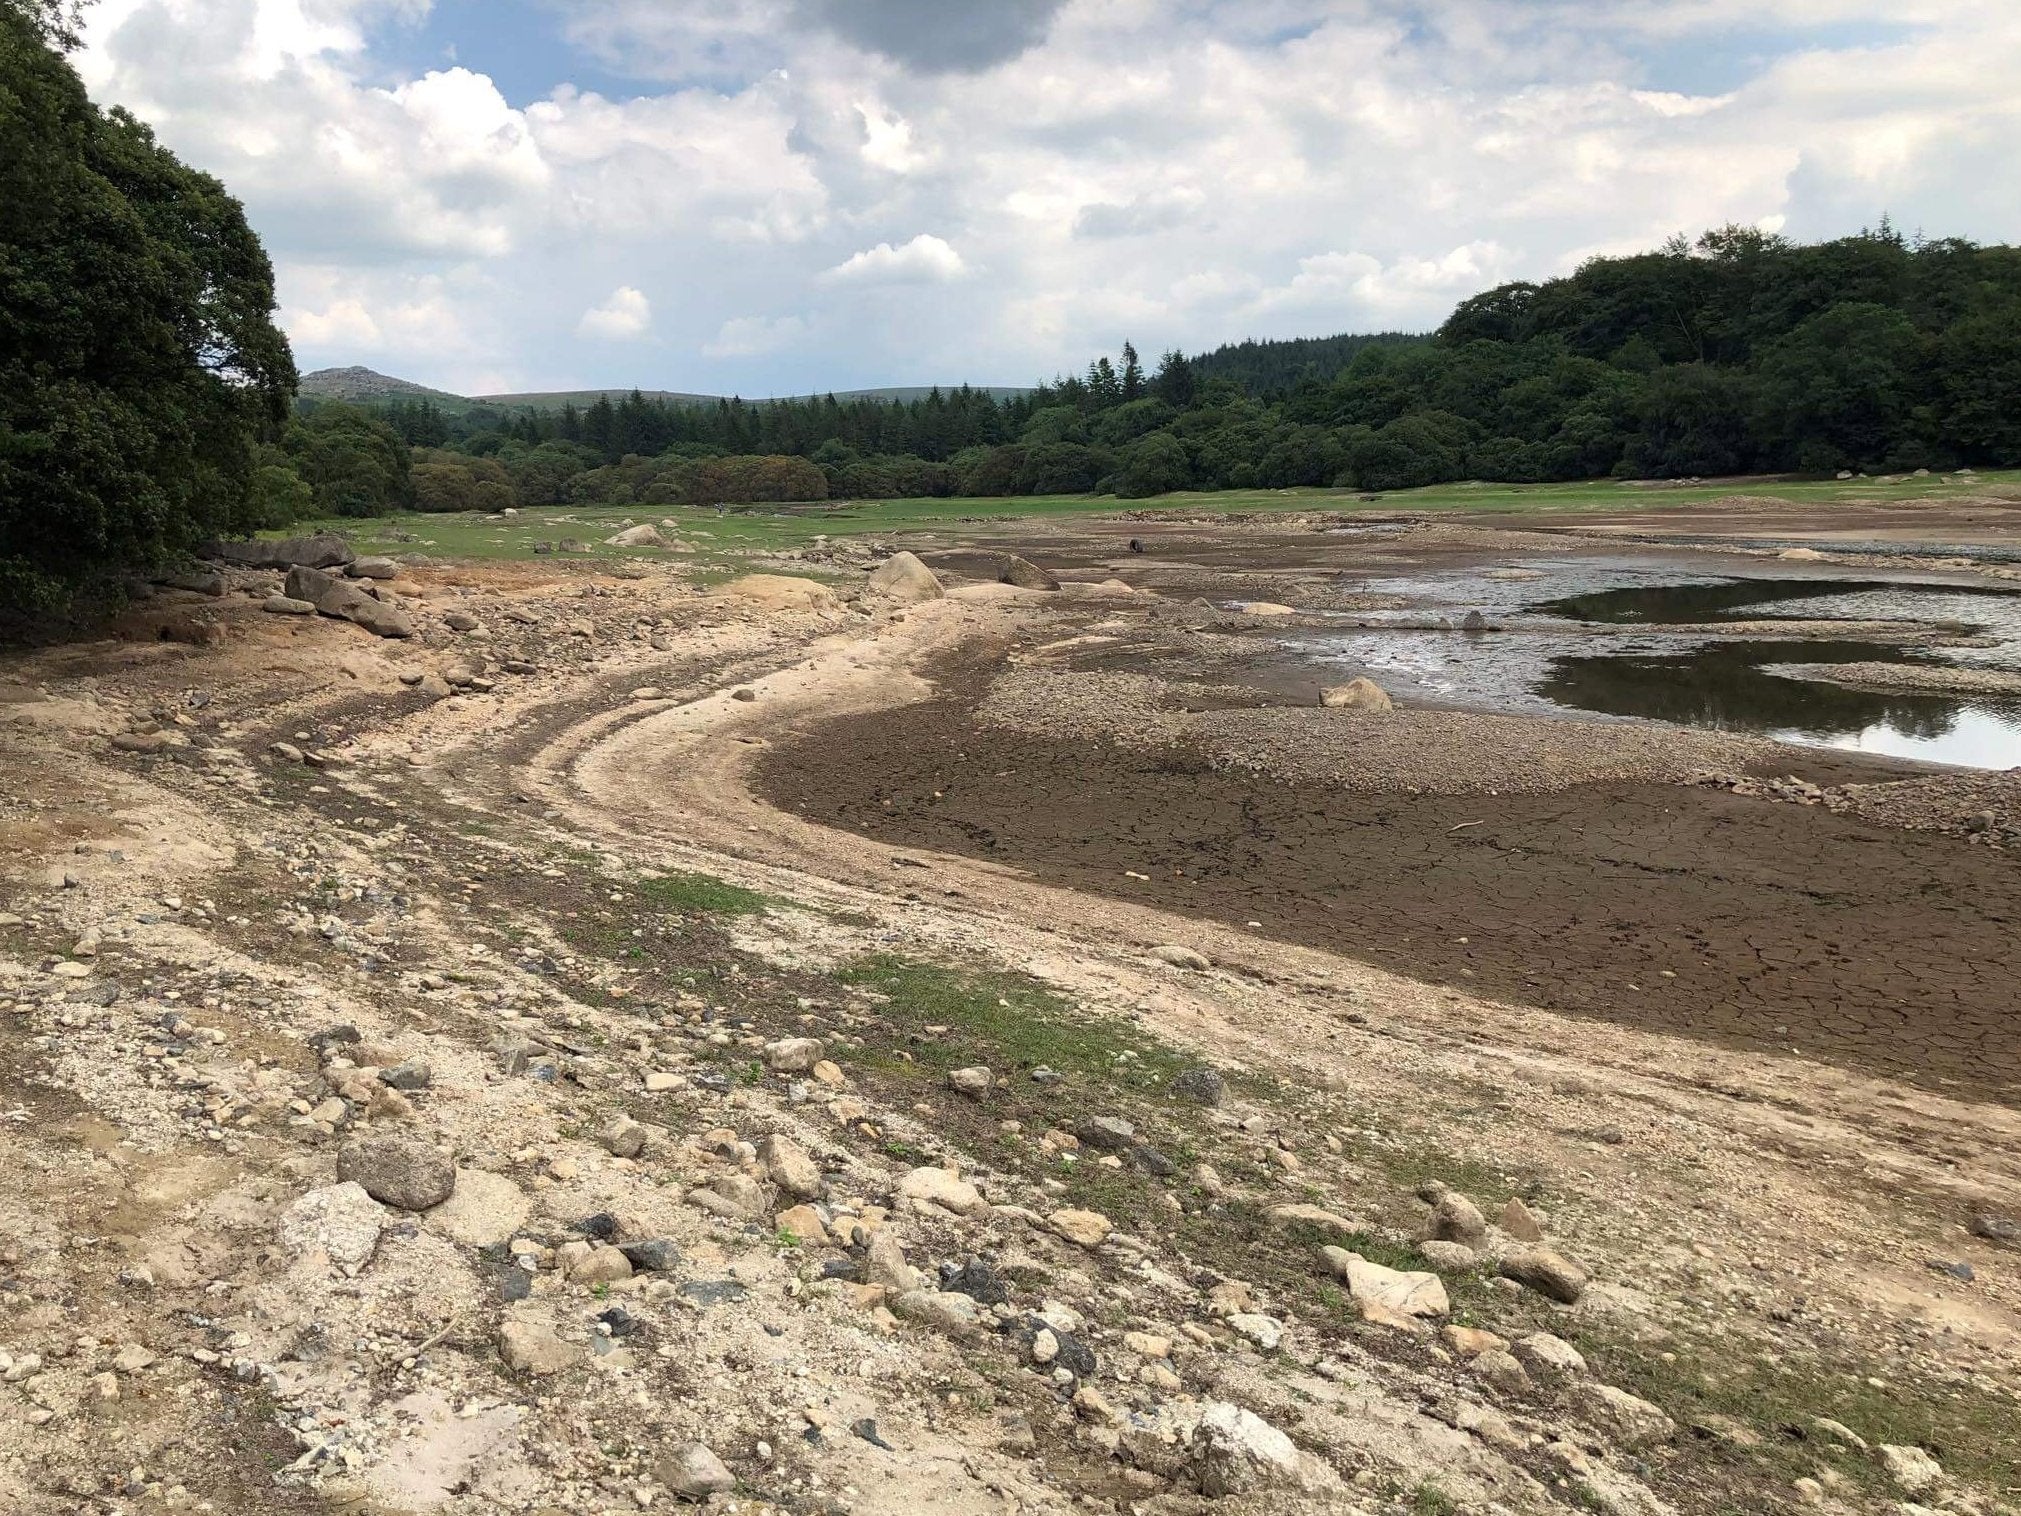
x: 139, y: 362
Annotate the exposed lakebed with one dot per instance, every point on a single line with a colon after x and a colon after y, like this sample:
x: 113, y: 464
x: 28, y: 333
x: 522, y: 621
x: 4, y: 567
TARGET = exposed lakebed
x: 1646, y: 642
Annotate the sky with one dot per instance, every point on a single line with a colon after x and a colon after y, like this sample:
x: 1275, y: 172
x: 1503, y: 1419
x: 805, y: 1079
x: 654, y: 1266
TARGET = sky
x: 786, y: 196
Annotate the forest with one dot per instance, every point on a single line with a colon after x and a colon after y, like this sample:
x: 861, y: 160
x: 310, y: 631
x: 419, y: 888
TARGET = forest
x: 1738, y: 353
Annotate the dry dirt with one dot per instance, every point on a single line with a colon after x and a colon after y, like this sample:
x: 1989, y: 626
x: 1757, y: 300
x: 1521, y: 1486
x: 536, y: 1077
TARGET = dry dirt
x: 607, y: 888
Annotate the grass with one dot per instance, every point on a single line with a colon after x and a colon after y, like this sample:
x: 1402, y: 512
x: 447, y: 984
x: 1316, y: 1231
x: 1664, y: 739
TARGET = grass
x: 702, y: 895
x: 722, y: 540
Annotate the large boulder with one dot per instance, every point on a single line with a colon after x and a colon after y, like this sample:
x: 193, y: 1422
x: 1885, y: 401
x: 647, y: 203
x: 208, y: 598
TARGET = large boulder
x: 904, y: 579
x: 348, y: 602
x: 1356, y: 695
x: 321, y: 551
x: 1025, y: 574
x: 636, y: 536
x: 781, y: 592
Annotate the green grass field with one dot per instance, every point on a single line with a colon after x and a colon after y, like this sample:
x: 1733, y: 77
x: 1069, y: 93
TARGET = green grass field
x: 721, y: 540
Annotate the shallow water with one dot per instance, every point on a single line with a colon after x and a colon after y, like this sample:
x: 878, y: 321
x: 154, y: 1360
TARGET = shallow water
x: 1545, y: 660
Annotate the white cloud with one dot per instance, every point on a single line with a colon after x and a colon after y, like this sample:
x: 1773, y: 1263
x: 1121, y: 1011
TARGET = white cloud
x: 753, y: 336
x: 926, y: 259
x: 625, y: 315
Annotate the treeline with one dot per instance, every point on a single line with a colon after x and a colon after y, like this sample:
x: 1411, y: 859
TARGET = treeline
x: 1739, y: 353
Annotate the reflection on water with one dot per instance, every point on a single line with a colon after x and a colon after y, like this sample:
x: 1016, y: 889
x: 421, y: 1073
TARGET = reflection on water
x: 1725, y: 684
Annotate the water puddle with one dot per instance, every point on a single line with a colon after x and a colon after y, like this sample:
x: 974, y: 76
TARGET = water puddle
x: 1576, y: 635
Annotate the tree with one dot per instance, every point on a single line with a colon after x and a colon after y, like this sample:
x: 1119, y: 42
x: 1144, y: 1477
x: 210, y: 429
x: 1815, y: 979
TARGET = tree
x: 356, y: 464
x: 139, y: 362
x: 1133, y: 375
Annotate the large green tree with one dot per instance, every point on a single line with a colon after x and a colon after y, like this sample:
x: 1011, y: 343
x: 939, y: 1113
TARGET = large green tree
x: 139, y: 361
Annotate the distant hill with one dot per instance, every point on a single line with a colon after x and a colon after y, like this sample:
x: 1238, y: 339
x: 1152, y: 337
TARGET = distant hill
x: 1267, y: 368
x: 364, y: 385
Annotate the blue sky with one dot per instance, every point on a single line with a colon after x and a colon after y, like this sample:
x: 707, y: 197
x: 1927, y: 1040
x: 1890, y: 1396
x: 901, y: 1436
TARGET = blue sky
x: 768, y: 196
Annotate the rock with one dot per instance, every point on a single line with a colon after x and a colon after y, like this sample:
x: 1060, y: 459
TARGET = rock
x: 623, y: 1138
x: 349, y: 603
x: 1448, y: 1257
x: 1356, y: 695
x: 1025, y: 574
x: 411, y: 1074
x: 884, y: 1263
x: 1203, y: 1086
x: 1086, y: 1229
x: 1519, y: 1223
x: 602, y: 1264
x: 532, y: 1348
x: 1550, y: 1274
x: 322, y: 551
x: 903, y: 579
x: 804, y: 1223
x: 460, y: 621
x: 1045, y: 1346
x: 781, y: 592
x: 1469, y: 1342
x: 1910, y: 1470
x: 973, y: 1082
x: 340, y: 1220
x: 485, y: 1210
x: 1106, y: 1134
x: 792, y: 1055
x: 310, y: 584
x: 1181, y: 957
x: 693, y: 1472
x: 1801, y: 555
x: 789, y: 1167
x: 1499, y: 1370
x: 636, y: 536
x: 1385, y: 1290
x: 738, y: 1195
x: 944, y: 1189
x: 1457, y: 1219
x: 655, y: 1255
x: 399, y: 1171
x: 1303, y: 1213
x: 1996, y: 1228
x: 950, y: 1312
x: 372, y: 568
x: 1234, y: 1452
x: 1268, y: 608
x: 1631, y: 1421
x: 1267, y: 1332
x: 1551, y: 1359
x: 281, y: 605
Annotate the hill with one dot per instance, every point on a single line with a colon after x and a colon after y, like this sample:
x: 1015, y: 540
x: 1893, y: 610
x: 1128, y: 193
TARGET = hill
x: 363, y: 385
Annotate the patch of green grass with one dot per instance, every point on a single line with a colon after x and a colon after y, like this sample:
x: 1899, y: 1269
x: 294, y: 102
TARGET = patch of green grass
x: 703, y: 895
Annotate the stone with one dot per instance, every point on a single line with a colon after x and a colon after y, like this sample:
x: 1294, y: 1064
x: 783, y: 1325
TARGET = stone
x: 485, y: 1210
x: 1519, y: 1223
x: 1630, y: 1420
x: 884, y: 1263
x: 636, y: 536
x: 410, y: 1074
x: 1392, y: 1291
x: 1235, y: 1451
x: 372, y: 568
x: 1106, y: 1134
x: 349, y: 603
x: 789, y: 1167
x: 1025, y: 574
x: 1202, y: 1086
x: 1448, y: 1257
x: 399, y: 1171
x: 941, y: 1188
x: 804, y: 1223
x: 903, y: 579
x: 974, y: 1082
x: 1550, y: 1274
x: 529, y: 1347
x: 601, y: 1264
x: 792, y: 1055
x: 1086, y: 1229
x: 282, y: 605
x: 1468, y: 1342
x: 949, y: 1312
x: 322, y: 551
x: 1550, y: 1359
x: 1457, y: 1219
x: 1996, y: 1228
x: 692, y: 1471
x: 781, y: 592
x: 623, y: 1138
x: 738, y: 1195
x: 655, y: 1255
x: 1268, y: 608
x: 1499, y: 1370
x: 460, y: 621
x: 1181, y: 957
x: 1147, y: 1345
x: 1267, y: 1332
x: 1910, y: 1470
x: 1356, y: 695
x: 1303, y: 1213
x: 340, y: 1220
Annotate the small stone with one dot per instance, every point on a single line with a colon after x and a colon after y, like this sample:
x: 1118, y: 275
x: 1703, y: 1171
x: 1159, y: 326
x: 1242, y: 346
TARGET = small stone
x: 1457, y: 1219
x: 623, y: 1138
x: 804, y: 1224
x: 1549, y: 1358
x: 692, y: 1471
x: 1107, y: 1134
x: 1632, y: 1421
x: 399, y: 1171
x: 1910, y: 1470
x: 531, y: 1348
x: 1045, y: 1346
x: 1181, y: 957
x: 1088, y: 1229
x: 1144, y: 1345
x: 884, y: 1263
x: 789, y: 1167
x: 1449, y: 1257
x: 941, y: 1188
x: 1519, y: 1223
x: 1203, y: 1086
x: 1549, y: 1274
x: 1382, y: 1291
x: 792, y: 1055
x: 973, y: 1082
x: 656, y: 1255
x: 412, y: 1074
x: 282, y: 605
x: 1997, y: 1228
x: 602, y: 1264
x: 340, y: 1220
x: 460, y: 621
x: 950, y: 1312
x: 1468, y: 1342
x: 1499, y: 1370
x: 1267, y: 1332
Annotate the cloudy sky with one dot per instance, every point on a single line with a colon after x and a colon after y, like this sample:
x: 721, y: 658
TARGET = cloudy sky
x: 767, y: 196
